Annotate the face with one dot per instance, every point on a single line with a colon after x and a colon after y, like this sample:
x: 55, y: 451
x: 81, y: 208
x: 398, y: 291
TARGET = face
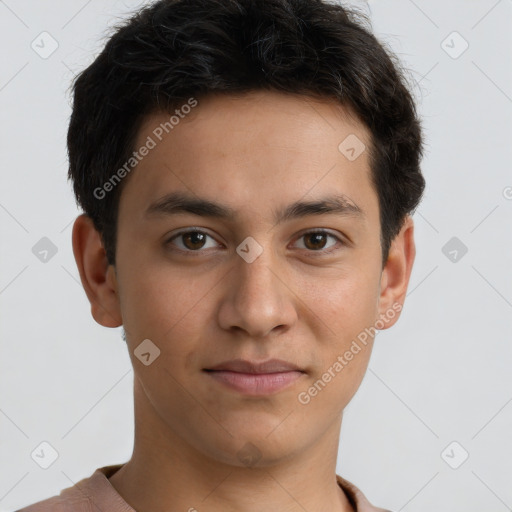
x: 285, y: 265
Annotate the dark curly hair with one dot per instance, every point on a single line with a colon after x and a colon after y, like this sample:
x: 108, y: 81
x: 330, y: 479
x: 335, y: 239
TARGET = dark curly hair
x: 172, y: 50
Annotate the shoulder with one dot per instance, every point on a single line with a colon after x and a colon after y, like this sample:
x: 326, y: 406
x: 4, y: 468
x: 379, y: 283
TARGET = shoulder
x: 65, y: 502
x: 357, y: 498
x: 84, y: 496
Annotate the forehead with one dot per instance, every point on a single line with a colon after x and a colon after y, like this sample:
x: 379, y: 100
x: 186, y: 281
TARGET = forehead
x: 256, y: 151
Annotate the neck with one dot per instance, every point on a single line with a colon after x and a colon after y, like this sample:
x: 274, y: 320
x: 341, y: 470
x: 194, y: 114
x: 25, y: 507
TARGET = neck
x: 166, y: 473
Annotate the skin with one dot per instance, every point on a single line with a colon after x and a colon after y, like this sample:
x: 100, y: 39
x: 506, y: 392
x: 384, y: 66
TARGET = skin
x: 254, y: 153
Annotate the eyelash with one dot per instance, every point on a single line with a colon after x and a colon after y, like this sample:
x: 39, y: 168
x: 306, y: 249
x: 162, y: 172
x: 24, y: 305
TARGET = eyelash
x: 314, y: 253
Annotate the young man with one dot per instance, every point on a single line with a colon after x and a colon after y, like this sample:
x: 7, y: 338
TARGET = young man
x: 248, y: 170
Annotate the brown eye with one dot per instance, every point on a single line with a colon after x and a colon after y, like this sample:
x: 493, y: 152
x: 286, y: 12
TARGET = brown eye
x: 315, y: 240
x: 191, y: 241
x: 318, y: 240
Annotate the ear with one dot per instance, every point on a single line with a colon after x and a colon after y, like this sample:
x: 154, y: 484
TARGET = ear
x: 97, y: 276
x: 395, y: 275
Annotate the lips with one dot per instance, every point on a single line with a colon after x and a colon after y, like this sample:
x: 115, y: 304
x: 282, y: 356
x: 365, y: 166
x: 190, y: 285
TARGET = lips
x: 255, y: 378
x: 244, y: 366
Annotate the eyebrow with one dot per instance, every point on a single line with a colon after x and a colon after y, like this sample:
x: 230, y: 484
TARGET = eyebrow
x: 180, y: 202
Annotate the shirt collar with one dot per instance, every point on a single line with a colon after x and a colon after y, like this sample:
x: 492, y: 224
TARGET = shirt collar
x: 109, y: 499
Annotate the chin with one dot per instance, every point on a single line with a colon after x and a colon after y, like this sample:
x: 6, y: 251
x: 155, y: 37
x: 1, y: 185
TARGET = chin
x: 256, y: 449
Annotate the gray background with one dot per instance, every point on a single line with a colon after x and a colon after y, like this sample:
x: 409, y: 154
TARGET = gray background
x: 441, y: 374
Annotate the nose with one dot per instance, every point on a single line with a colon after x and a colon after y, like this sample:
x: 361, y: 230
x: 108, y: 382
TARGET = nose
x: 257, y: 298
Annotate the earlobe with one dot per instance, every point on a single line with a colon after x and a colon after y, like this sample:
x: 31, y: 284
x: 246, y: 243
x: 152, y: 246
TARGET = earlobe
x: 395, y: 275
x: 97, y: 276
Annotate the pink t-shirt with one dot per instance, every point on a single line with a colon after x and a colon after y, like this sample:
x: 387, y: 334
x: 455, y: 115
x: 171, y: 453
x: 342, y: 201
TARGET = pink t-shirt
x: 96, y: 493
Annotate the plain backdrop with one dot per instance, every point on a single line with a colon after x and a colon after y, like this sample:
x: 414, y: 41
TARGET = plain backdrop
x: 439, y: 387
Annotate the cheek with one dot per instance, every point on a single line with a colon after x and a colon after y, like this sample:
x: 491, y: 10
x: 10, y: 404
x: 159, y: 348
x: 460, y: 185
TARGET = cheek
x: 345, y: 308
x: 157, y: 300
x: 346, y: 302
